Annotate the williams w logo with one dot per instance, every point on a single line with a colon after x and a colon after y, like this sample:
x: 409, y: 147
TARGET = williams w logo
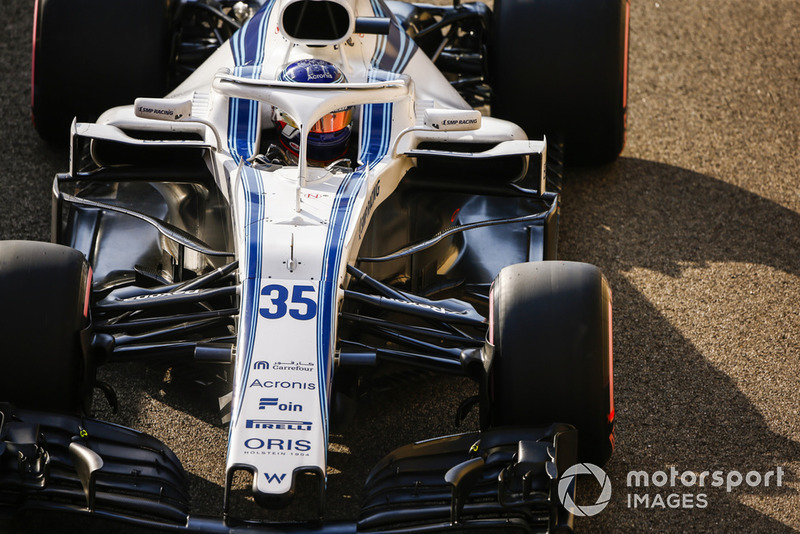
x: 275, y: 478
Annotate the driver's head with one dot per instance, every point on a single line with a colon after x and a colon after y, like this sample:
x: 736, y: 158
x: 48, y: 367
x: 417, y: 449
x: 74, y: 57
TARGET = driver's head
x: 328, y: 138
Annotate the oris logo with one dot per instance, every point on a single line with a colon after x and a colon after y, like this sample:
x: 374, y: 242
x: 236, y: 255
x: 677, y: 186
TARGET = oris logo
x: 278, y: 447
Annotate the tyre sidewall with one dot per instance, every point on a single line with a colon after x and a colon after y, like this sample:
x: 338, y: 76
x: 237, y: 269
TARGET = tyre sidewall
x: 91, y: 55
x: 552, y: 352
x: 572, y: 84
x: 44, y: 296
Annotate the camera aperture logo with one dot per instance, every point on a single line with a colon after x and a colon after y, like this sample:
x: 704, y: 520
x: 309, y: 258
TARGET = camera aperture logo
x: 567, y: 481
x: 662, y: 489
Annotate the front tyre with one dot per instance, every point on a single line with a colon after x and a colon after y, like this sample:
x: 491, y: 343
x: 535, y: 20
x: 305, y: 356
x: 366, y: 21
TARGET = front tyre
x: 44, y: 292
x: 560, y: 68
x: 91, y: 55
x: 552, y: 362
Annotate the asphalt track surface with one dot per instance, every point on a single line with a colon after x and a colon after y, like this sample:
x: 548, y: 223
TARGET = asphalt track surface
x: 697, y: 227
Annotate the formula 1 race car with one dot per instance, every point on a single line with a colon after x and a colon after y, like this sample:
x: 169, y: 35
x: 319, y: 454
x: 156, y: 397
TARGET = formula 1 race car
x: 329, y: 189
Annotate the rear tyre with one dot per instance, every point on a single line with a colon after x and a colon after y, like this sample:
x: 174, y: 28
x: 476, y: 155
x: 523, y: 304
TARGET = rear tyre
x: 91, y: 55
x: 551, y: 330
x: 572, y: 84
x: 44, y: 291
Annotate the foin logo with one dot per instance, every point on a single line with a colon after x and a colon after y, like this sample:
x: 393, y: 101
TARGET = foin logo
x: 263, y: 404
x: 568, y: 479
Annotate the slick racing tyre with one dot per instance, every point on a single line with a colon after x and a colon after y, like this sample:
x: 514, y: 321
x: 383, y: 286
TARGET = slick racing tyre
x: 44, y: 291
x: 91, y: 55
x: 572, y: 83
x: 551, y: 330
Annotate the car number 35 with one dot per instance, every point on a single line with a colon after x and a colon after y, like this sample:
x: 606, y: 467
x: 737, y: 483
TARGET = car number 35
x: 278, y: 303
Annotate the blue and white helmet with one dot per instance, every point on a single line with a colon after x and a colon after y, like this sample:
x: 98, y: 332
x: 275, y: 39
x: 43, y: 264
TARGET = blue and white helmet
x: 328, y: 138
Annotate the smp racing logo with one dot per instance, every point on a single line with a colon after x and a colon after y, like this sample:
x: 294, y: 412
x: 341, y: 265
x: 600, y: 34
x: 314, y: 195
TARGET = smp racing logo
x: 567, y: 481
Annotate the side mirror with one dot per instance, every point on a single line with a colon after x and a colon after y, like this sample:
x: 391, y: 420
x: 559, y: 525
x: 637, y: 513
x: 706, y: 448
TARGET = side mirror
x: 373, y: 25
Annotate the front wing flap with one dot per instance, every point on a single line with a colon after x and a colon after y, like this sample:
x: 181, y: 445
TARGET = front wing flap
x: 62, y: 462
x: 490, y: 481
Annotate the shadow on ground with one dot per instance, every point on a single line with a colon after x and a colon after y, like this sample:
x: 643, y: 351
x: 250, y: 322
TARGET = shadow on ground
x: 674, y: 407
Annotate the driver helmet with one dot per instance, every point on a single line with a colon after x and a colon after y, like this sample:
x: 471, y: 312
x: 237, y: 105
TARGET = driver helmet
x: 328, y: 138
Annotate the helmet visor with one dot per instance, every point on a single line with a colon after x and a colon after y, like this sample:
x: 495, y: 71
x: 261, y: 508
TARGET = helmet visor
x: 333, y: 122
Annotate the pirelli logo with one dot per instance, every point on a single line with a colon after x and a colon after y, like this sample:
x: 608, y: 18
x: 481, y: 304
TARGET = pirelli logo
x: 268, y: 424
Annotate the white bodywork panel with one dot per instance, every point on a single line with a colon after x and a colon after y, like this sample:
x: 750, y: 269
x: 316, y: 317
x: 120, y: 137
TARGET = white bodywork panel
x: 297, y: 227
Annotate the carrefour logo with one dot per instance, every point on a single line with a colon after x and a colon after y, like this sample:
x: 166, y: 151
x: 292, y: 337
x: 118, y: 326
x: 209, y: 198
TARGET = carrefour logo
x: 567, y: 480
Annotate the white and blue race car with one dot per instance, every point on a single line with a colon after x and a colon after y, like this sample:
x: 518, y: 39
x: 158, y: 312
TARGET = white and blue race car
x: 328, y: 189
